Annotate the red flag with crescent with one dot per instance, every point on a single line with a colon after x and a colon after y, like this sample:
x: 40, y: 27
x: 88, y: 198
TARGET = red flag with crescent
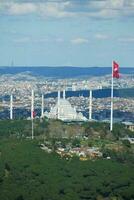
x: 116, y: 70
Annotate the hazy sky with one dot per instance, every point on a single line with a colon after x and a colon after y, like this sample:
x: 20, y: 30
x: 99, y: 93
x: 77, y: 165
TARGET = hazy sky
x: 67, y: 32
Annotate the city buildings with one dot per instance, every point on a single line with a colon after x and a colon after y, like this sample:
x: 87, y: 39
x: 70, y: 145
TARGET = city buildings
x: 20, y: 86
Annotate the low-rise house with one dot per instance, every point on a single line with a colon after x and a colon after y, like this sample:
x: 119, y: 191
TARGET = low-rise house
x: 129, y: 125
x: 131, y: 140
x: 45, y: 148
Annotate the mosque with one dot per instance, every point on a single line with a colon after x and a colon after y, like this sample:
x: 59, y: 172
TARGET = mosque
x: 64, y: 111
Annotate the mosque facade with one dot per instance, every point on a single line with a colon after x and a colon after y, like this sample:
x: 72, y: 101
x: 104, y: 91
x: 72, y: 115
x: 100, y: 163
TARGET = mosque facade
x: 64, y: 111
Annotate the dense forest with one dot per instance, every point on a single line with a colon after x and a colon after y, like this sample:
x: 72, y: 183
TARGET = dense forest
x: 28, y: 173
x: 58, y: 129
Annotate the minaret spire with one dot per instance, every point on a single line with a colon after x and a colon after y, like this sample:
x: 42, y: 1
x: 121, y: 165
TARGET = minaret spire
x: 64, y: 94
x: 11, y: 106
x: 90, y: 106
x: 58, y: 110
x: 42, y: 106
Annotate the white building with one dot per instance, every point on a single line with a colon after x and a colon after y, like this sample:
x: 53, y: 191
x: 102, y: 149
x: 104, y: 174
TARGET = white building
x: 64, y: 111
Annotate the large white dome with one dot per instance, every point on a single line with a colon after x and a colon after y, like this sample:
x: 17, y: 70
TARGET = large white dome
x: 64, y: 111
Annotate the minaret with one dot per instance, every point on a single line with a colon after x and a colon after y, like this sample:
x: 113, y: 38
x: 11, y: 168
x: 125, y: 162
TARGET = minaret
x: 32, y: 104
x: 42, y: 106
x: 64, y: 94
x: 90, y: 106
x: 11, y: 106
x: 58, y: 111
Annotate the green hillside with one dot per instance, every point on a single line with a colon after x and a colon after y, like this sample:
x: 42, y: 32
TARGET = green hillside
x: 58, y: 129
x: 28, y: 173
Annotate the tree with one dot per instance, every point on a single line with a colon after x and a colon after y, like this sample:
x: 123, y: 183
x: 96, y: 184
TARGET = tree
x: 76, y: 142
x: 126, y: 143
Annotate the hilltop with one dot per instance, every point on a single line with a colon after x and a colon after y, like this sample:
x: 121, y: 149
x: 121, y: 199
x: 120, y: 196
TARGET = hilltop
x: 55, y: 134
x: 29, y: 172
x: 58, y: 129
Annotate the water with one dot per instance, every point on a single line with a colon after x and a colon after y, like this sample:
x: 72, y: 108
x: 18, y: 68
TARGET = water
x: 63, y: 72
x: 101, y: 93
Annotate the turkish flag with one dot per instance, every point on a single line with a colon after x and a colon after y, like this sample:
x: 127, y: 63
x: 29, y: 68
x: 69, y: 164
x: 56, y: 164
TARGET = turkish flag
x: 116, y: 70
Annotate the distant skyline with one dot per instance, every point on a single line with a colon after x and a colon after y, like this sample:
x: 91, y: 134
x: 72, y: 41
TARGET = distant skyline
x: 66, y: 32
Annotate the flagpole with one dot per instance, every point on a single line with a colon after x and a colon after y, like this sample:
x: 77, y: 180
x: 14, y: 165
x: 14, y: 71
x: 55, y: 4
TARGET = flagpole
x: 112, y: 84
x: 32, y: 129
x: 32, y: 110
